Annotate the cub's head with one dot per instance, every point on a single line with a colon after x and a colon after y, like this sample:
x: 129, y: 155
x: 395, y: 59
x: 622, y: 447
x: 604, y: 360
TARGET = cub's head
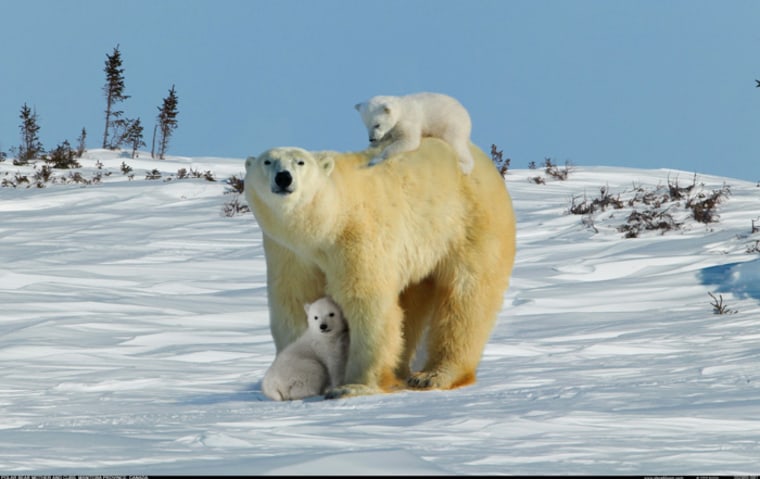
x: 325, y: 316
x: 286, y: 175
x: 379, y: 114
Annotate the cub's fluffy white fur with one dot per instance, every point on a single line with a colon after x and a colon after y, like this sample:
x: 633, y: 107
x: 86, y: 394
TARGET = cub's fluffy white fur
x: 404, y: 120
x: 314, y: 362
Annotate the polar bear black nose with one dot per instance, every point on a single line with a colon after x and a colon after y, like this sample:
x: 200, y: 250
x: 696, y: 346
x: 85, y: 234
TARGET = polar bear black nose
x: 323, y: 326
x: 283, y: 179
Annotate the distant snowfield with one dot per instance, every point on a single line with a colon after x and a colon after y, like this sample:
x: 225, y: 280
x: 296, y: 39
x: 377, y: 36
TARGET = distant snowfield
x: 134, y: 334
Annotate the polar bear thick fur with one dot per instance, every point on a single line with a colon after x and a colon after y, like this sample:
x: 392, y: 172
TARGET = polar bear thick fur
x: 405, y: 247
x: 315, y: 361
x: 404, y: 120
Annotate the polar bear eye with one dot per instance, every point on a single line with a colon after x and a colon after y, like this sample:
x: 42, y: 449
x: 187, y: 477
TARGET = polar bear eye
x: 300, y: 162
x: 332, y: 314
x: 267, y: 162
x: 316, y: 317
x: 376, y: 126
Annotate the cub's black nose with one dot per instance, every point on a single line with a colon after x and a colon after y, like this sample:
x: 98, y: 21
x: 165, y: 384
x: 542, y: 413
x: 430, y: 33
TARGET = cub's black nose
x: 322, y: 327
x: 283, y: 179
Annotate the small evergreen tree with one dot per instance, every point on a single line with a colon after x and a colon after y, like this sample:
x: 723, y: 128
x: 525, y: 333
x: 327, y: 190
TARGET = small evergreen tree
x: 30, y: 147
x: 63, y: 156
x: 114, y: 91
x: 82, y: 143
x: 167, y: 121
x: 134, y: 136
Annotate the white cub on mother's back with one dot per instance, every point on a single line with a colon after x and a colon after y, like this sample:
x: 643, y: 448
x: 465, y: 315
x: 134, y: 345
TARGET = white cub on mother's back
x: 313, y: 362
x: 406, y: 119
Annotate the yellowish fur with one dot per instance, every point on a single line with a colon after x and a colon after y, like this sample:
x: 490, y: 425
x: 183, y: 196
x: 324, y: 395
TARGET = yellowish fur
x: 408, y: 244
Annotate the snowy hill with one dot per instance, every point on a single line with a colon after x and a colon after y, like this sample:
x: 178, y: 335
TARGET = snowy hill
x: 134, y: 334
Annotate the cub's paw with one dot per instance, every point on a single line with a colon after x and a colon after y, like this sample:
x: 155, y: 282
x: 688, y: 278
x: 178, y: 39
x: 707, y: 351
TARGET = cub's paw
x: 350, y: 390
x: 374, y: 161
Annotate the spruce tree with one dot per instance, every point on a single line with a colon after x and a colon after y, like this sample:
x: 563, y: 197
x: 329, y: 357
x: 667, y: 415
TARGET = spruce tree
x: 30, y: 147
x: 134, y: 136
x: 167, y: 121
x: 114, y: 91
x: 82, y: 143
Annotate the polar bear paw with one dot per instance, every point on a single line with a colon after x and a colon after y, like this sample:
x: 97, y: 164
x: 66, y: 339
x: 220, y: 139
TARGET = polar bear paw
x: 350, y: 390
x: 439, y: 379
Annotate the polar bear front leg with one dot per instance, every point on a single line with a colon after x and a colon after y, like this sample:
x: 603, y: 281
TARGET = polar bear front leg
x: 375, y: 345
x: 290, y: 283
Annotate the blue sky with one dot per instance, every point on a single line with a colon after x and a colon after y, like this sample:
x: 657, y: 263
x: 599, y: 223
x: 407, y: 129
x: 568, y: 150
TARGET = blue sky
x: 640, y: 83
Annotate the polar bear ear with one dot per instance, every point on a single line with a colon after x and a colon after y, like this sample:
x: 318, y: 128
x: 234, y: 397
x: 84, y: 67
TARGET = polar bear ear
x: 306, y: 307
x: 387, y: 108
x: 358, y: 107
x: 327, y: 163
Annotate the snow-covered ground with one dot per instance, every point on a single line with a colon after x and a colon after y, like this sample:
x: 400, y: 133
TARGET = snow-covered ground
x: 134, y: 335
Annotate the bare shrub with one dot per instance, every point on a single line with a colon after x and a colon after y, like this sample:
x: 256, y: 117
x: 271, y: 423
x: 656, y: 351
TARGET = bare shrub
x: 678, y: 192
x: 497, y: 156
x: 235, y: 185
x: 207, y: 175
x: 234, y: 207
x: 77, y: 178
x: 605, y: 200
x: 654, y: 198
x: 539, y: 180
x: 44, y: 174
x: 556, y: 172
x: 648, y: 220
x: 719, y: 307
x: 703, y: 204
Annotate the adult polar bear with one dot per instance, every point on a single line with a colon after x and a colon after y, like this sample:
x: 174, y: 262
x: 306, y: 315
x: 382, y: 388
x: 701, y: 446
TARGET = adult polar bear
x: 405, y: 245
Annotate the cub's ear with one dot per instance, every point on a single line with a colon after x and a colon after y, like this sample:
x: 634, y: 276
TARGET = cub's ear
x: 327, y: 163
x: 306, y: 307
x: 387, y: 108
x: 358, y: 106
x: 249, y: 161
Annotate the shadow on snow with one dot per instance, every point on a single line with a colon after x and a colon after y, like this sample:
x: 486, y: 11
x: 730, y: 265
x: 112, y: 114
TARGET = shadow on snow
x: 739, y: 279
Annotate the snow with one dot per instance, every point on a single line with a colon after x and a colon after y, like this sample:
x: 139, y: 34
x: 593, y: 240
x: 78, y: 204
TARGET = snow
x: 134, y: 336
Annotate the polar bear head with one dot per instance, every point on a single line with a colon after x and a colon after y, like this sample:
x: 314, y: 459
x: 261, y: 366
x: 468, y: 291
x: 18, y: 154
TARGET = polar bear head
x: 379, y: 114
x: 286, y: 175
x: 325, y: 316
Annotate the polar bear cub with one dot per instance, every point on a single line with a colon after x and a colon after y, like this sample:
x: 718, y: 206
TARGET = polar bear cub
x: 406, y: 119
x: 315, y: 361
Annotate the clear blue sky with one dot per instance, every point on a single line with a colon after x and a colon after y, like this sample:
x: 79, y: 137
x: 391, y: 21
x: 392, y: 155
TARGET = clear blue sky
x: 641, y: 83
